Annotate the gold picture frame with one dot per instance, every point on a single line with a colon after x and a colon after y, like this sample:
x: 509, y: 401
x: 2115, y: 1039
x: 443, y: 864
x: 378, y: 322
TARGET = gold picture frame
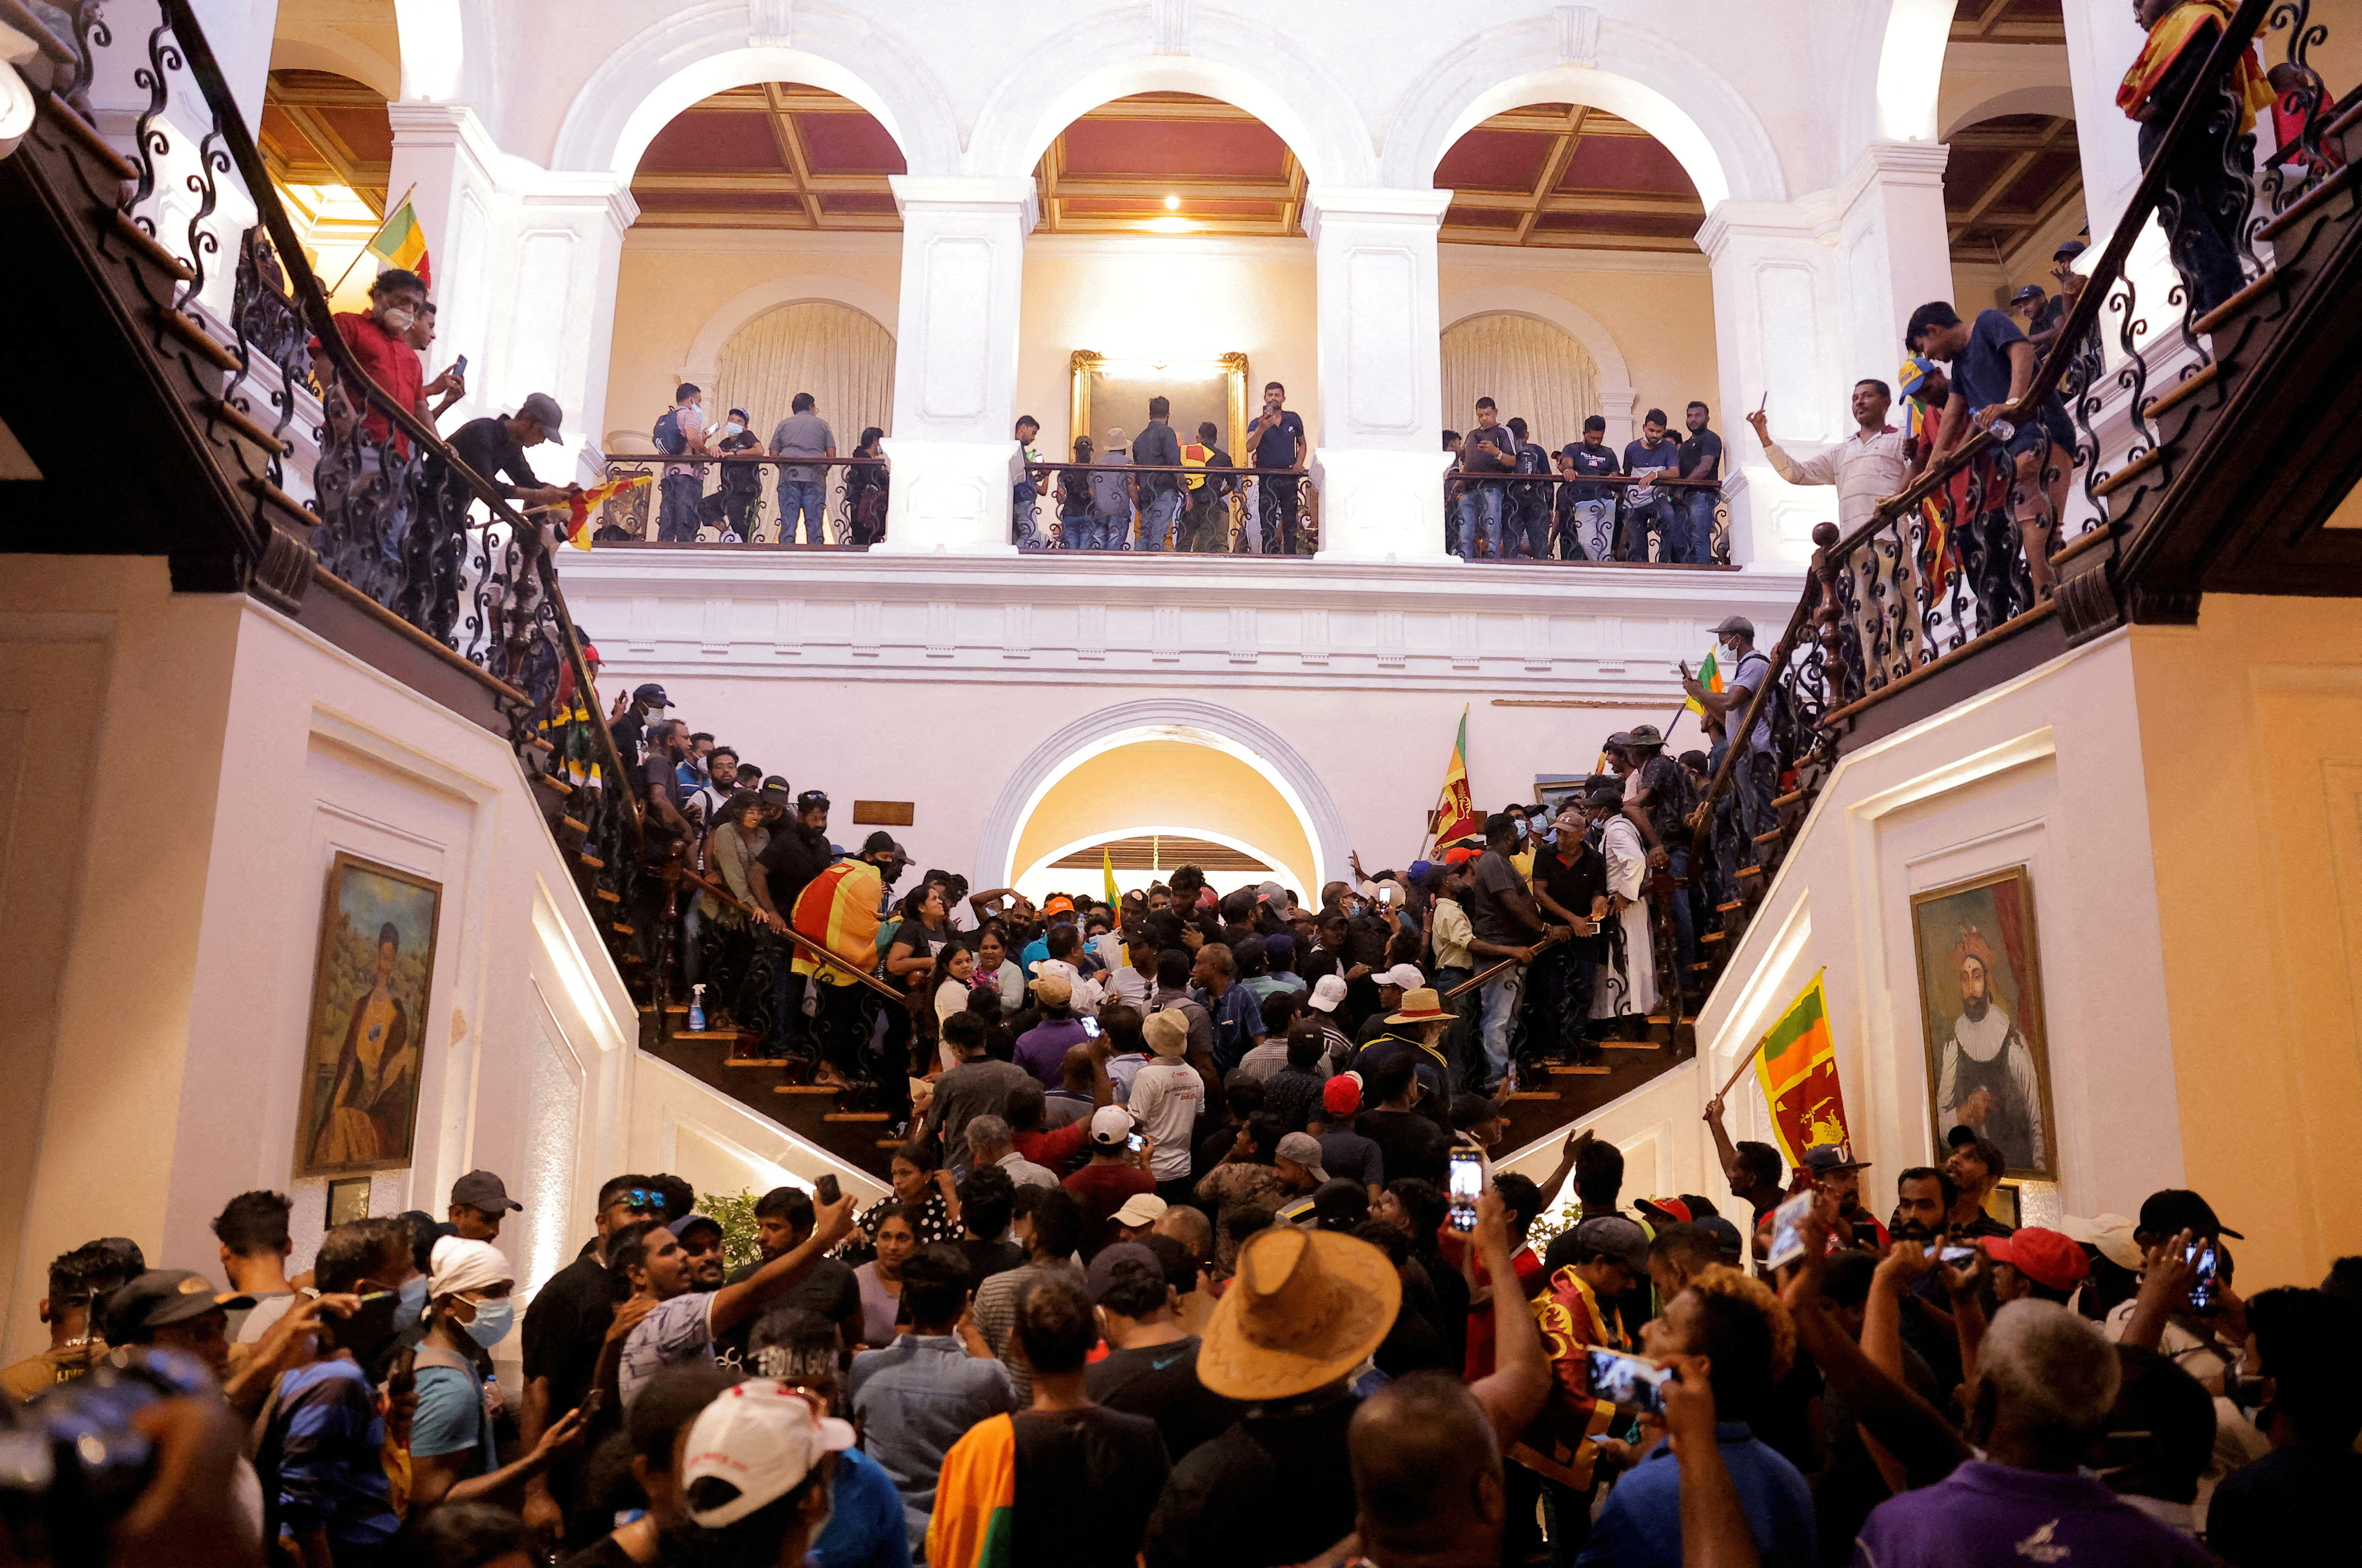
x: 1194, y: 385
x: 372, y: 983
x: 1987, y: 922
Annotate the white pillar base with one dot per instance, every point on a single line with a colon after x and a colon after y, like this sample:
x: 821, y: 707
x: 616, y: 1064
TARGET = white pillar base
x: 948, y: 498
x: 1381, y: 506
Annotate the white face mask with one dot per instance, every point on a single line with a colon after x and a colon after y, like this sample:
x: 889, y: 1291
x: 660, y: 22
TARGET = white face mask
x: 400, y: 320
x: 734, y: 428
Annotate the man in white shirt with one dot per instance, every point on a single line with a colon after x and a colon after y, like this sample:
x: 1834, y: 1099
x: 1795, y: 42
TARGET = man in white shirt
x: 1167, y: 1098
x: 1866, y: 467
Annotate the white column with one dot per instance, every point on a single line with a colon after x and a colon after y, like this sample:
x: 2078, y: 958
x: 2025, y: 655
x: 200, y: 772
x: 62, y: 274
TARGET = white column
x: 524, y: 262
x: 1380, y: 464
x: 2102, y: 40
x: 1894, y: 251
x: 240, y: 33
x: 954, y: 449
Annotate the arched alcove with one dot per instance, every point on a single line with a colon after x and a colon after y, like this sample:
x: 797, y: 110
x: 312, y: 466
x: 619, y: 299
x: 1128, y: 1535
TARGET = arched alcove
x: 1529, y: 368
x: 840, y: 356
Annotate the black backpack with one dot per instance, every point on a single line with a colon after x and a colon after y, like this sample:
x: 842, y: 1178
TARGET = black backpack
x: 666, y: 434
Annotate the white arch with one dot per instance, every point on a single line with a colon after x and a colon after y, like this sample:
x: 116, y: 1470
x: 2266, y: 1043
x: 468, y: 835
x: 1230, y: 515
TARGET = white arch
x: 693, y: 54
x: 1618, y: 396
x: 2039, y: 98
x: 1236, y: 59
x: 1640, y: 73
x: 1167, y: 830
x: 1162, y: 718
x: 705, y: 348
x: 1910, y: 69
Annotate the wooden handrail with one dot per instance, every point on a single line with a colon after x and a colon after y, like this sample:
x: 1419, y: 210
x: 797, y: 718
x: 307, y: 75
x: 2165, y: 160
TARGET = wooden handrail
x: 813, y: 950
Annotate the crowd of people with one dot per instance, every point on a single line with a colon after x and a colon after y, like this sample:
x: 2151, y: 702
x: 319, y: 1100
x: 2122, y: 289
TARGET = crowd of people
x: 1041, y: 1352
x: 1508, y: 497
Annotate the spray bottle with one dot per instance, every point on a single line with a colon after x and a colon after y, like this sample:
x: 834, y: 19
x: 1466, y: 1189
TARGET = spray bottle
x: 697, y: 1009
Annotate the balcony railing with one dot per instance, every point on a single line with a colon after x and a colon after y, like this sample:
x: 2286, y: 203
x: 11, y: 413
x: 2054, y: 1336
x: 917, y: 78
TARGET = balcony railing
x: 388, y: 519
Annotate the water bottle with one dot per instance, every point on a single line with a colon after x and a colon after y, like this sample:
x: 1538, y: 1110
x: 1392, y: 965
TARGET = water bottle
x: 697, y: 1009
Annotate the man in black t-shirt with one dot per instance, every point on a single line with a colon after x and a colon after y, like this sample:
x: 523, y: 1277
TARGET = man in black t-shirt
x: 1526, y: 529
x: 1701, y: 458
x: 799, y: 851
x: 1152, y: 1369
x: 1588, y: 532
x: 1665, y: 799
x: 494, y: 446
x: 630, y: 728
x: 741, y: 481
x: 1487, y: 456
x: 660, y: 781
x: 1570, y: 884
x: 1409, y: 1143
x: 1276, y: 441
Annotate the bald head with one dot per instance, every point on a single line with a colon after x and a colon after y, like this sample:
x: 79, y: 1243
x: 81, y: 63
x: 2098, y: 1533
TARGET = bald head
x: 1426, y: 1475
x: 1190, y: 1228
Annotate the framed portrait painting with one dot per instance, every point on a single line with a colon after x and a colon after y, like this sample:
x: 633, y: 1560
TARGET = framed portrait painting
x: 1981, y: 1007
x: 370, y: 993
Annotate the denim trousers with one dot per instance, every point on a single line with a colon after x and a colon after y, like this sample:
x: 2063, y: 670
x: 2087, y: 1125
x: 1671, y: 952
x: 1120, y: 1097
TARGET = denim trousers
x: 1480, y: 520
x: 1757, y: 775
x: 1499, y: 999
x: 1657, y: 516
x: 676, y: 507
x: 1081, y: 531
x: 1157, y: 516
x: 1695, y: 544
x: 808, y: 498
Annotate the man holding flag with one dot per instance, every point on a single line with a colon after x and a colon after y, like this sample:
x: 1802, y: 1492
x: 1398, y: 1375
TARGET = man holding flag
x: 379, y: 340
x: 1796, y: 1066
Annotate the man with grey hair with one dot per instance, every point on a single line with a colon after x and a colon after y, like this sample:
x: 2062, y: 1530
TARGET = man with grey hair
x: 2045, y: 1381
x: 991, y: 1142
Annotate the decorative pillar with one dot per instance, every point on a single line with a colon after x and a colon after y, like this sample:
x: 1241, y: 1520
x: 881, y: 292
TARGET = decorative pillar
x: 2101, y: 39
x: 239, y: 32
x: 954, y: 449
x: 1380, y: 464
x: 1894, y: 251
x: 526, y: 262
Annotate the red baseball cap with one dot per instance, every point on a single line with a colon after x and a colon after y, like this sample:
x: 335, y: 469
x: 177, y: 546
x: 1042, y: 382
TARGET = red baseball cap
x: 2046, y: 1257
x: 1341, y: 1095
x: 1672, y: 1209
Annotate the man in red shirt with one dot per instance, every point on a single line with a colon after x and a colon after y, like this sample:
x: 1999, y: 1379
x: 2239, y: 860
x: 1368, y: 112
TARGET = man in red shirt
x: 379, y: 339
x: 1114, y: 1176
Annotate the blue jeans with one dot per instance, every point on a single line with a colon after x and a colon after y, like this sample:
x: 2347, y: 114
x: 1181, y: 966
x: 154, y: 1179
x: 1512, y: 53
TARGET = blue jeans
x: 1693, y: 542
x: 1480, y: 520
x: 1157, y: 514
x: 809, y: 497
x: 1684, y: 921
x: 676, y: 507
x: 1500, y: 995
x: 1081, y: 531
x: 1756, y: 776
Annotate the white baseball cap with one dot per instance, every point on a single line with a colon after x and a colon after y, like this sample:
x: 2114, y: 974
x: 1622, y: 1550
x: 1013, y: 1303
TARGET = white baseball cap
x: 2112, y: 1233
x: 1402, y: 977
x: 762, y: 1438
x: 1111, y: 1125
x: 1326, y: 992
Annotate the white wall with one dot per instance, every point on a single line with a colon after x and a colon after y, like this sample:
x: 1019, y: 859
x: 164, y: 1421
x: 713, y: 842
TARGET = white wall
x: 2046, y: 771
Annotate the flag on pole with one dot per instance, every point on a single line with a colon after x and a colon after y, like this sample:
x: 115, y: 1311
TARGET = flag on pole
x: 399, y: 242
x: 1454, y: 816
x: 1106, y: 870
x: 1797, y: 1066
x: 1709, y: 676
x: 579, y: 507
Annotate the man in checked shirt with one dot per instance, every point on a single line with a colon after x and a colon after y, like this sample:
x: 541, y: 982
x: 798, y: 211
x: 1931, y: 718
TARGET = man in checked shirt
x: 1867, y: 466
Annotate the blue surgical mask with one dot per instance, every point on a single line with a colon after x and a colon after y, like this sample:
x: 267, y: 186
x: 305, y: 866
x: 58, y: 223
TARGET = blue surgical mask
x: 493, y: 1321
x: 734, y: 428
x: 410, y: 1309
x: 1521, y: 827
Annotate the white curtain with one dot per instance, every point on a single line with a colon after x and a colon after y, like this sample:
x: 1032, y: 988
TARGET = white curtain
x: 834, y: 352
x: 1529, y: 369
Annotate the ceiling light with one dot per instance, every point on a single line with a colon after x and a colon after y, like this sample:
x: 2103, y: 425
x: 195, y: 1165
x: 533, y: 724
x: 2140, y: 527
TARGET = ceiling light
x: 1170, y: 226
x: 1172, y: 204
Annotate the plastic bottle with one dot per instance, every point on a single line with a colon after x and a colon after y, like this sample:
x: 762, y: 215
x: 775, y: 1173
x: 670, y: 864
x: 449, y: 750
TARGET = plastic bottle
x: 697, y: 1009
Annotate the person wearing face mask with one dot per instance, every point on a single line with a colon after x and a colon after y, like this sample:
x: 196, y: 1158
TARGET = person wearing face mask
x: 741, y: 479
x: 452, y: 1459
x: 379, y: 340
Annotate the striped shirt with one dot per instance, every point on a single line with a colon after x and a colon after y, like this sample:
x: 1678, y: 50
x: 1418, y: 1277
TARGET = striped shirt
x: 331, y: 1475
x: 1863, y: 469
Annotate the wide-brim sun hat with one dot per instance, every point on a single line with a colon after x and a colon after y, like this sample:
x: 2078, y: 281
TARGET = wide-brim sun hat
x: 1421, y: 1005
x: 1305, y: 1308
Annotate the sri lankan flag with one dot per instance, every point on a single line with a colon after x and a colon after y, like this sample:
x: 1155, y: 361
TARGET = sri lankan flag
x: 1797, y: 1066
x: 1456, y: 815
x: 2184, y: 26
x: 399, y: 242
x: 838, y: 910
x: 1106, y: 870
x: 579, y: 508
x: 975, y: 1521
x: 1709, y: 676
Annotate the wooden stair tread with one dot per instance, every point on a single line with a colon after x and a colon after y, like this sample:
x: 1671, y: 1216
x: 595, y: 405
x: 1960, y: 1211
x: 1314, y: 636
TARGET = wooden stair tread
x: 611, y: 898
x: 192, y: 332
x: 2129, y: 473
x: 541, y: 745
x: 1733, y: 904
x: 596, y: 864
x: 857, y: 1115
x: 1714, y: 936
x: 806, y: 1089
x: 139, y: 239
x: 892, y: 1142
x: 577, y: 827
x: 2318, y: 197
x: 1633, y: 1044
x: 2239, y: 304
x: 709, y: 1035
x: 1790, y: 798
x: 1751, y: 870
x: 237, y: 419
x: 1531, y: 1093
x: 1774, y: 836
x: 756, y: 1061
x: 551, y: 782
x: 2182, y: 390
x: 1588, y: 1071
x: 622, y: 930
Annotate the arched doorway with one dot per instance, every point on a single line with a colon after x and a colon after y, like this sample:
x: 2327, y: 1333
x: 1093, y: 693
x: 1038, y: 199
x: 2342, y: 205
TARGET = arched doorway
x: 1167, y: 767
x: 1531, y: 368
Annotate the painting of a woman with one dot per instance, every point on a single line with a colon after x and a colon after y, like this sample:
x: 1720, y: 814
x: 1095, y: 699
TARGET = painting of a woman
x: 368, y: 1004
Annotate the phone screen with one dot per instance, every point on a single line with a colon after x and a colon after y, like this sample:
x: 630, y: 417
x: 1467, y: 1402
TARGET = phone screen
x: 1091, y: 1027
x: 460, y: 366
x: 1625, y: 1381
x: 1467, y: 1185
x: 2205, y: 1292
x: 1133, y: 1143
x: 1787, y: 1230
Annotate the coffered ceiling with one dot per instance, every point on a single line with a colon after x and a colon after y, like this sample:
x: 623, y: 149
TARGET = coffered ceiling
x: 319, y: 129
x: 2006, y: 179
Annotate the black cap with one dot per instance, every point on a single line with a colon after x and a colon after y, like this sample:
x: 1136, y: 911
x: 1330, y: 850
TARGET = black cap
x: 162, y: 1297
x: 1823, y: 1157
x: 2071, y: 249
x: 1959, y: 1137
x: 651, y: 695
x: 483, y: 1191
x: 809, y: 801
x: 878, y: 842
x: 2177, y: 1208
x: 2031, y: 291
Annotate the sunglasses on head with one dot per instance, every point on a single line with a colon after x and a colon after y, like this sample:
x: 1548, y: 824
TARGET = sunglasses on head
x: 637, y: 1197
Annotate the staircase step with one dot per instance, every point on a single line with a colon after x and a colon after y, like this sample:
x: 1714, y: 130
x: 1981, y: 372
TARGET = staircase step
x: 858, y: 1116
x: 1700, y: 968
x: 1531, y: 1093
x: 1751, y: 870
x: 294, y: 510
x: 1790, y: 798
x: 541, y: 745
x: 2239, y: 304
x: 595, y: 864
x: 139, y: 239
x: 611, y: 898
x: 709, y: 1035
x: 622, y: 930
x: 86, y: 133
x: 552, y: 781
x: 237, y: 419
x: 806, y: 1089
x: 2128, y: 473
x: 1633, y: 1044
x: 188, y: 330
x: 2314, y: 199
x: 891, y: 1143
x: 1733, y: 904
x: 577, y: 827
x: 754, y: 1061
x: 2183, y: 390
x: 1587, y: 1071
x: 1774, y: 836
x: 1714, y: 936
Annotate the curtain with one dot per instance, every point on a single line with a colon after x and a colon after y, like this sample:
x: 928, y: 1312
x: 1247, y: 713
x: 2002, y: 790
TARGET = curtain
x: 833, y: 351
x: 1532, y: 369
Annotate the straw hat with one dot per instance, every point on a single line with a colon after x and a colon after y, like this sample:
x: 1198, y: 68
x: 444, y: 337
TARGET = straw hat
x: 1421, y: 1005
x: 1305, y: 1308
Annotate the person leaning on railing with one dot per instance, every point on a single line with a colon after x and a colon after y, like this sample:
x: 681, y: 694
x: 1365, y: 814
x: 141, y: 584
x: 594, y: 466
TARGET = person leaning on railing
x: 494, y: 446
x: 379, y: 338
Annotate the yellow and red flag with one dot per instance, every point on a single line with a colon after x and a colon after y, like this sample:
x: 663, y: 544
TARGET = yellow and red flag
x: 580, y: 507
x: 1797, y: 1066
x: 399, y: 242
x: 1456, y: 815
x: 1106, y: 870
x: 2182, y: 27
x: 838, y: 910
